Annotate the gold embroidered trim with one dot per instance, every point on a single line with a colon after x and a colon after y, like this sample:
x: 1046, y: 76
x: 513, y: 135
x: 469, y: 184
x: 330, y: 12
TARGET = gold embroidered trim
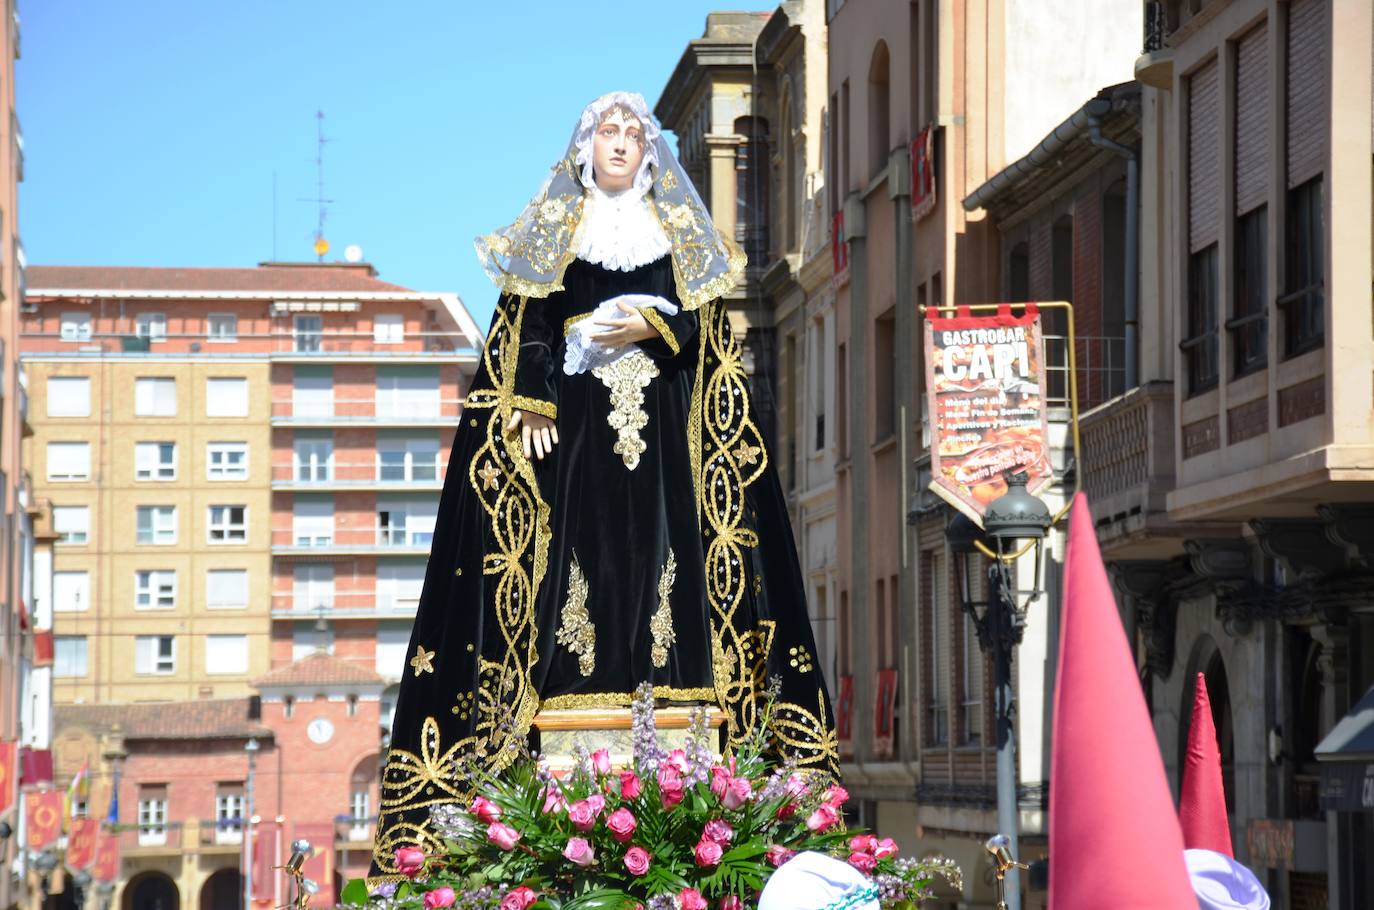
x: 422, y: 662
x: 578, y: 633
x: 572, y: 320
x: 535, y: 406
x: 661, y: 625
x: 655, y: 319
x: 626, y: 379
x: 625, y: 699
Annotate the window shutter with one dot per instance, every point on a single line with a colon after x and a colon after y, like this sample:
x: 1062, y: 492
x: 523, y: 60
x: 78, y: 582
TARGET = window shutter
x: 1252, y: 120
x: 1305, y: 105
x: 1204, y: 128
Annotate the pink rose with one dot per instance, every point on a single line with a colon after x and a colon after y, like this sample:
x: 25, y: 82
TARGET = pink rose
x: 637, y: 860
x: 778, y: 854
x: 864, y: 862
x: 518, y: 898
x: 738, y: 793
x: 678, y: 759
x: 597, y: 802
x: 579, y: 851
x: 707, y: 852
x: 720, y: 780
x: 885, y: 848
x: 719, y: 831
x: 486, y: 810
x: 671, y: 787
x: 787, y: 810
x: 503, y: 836
x: 691, y: 899
x: 824, y: 816
x: 731, y: 902
x: 409, y: 860
x: 836, y: 795
x: 553, y: 798
x: 622, y: 824
x: 629, y: 785
x: 601, y: 761
x: 863, y: 843
x: 439, y: 897
x: 582, y: 814
x: 796, y: 786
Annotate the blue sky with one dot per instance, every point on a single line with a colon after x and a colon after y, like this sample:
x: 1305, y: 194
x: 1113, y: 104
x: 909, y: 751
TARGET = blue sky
x: 153, y: 128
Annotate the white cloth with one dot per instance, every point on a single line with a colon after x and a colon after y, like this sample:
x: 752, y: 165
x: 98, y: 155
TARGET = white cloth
x: 814, y: 881
x: 619, y: 232
x: 583, y: 352
x: 1221, y: 883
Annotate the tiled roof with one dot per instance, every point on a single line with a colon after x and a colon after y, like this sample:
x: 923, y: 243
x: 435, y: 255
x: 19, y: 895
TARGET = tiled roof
x: 320, y: 669
x: 307, y: 277
x: 210, y: 718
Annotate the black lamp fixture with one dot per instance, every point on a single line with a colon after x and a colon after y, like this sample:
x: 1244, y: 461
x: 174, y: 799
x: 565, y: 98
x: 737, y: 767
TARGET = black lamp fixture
x: 5, y: 831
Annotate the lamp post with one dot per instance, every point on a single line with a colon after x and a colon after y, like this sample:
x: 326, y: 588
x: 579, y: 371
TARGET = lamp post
x: 251, y: 747
x: 45, y: 863
x: 106, y: 892
x: 1014, y: 516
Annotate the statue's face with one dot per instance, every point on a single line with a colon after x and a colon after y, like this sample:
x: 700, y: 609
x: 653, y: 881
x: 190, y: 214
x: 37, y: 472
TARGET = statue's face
x: 617, y: 150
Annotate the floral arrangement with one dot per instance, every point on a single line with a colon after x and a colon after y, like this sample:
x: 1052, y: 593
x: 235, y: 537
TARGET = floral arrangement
x: 675, y: 831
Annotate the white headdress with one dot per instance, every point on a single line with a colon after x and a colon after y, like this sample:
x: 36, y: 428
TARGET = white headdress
x: 528, y: 256
x: 1221, y: 883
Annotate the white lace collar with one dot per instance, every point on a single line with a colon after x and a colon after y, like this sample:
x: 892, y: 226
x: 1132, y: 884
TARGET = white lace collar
x: 619, y: 232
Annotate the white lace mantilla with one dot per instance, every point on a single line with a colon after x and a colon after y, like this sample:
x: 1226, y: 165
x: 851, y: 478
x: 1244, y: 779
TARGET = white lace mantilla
x: 619, y: 232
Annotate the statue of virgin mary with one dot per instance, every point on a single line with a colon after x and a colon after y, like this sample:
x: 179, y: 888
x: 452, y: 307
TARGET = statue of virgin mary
x: 609, y: 517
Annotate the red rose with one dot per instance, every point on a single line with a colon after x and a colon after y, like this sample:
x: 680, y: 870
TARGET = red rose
x: 553, y: 798
x: 601, y: 761
x: 707, y: 853
x: 720, y: 780
x: 518, y: 898
x: 486, y: 810
x: 787, y: 810
x: 691, y: 899
x: 885, y: 848
x: 796, y: 786
x: 836, y: 795
x: 409, y: 860
x: 637, y: 860
x: 622, y: 824
x: 731, y: 903
x: 864, y: 862
x: 678, y: 759
x: 582, y: 814
x: 439, y: 898
x: 719, y: 831
x: 737, y: 793
x: 778, y: 854
x: 579, y: 851
x: 671, y: 786
x: 824, y: 816
x: 629, y: 785
x: 503, y: 836
x: 863, y: 843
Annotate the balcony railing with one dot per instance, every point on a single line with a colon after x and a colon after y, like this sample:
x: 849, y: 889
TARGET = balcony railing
x: 1155, y: 20
x: 1100, y: 362
x: 362, y: 410
x: 367, y: 537
x: 326, y: 345
x: 358, y: 473
x: 342, y: 605
x: 350, y: 830
x: 1128, y: 456
x: 163, y: 838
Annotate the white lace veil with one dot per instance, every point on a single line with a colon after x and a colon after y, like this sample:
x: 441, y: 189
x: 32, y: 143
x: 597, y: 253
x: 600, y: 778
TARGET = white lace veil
x: 528, y: 256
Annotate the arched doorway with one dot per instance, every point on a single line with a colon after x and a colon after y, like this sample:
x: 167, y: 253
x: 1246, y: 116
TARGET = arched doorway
x: 151, y: 891
x: 222, y: 891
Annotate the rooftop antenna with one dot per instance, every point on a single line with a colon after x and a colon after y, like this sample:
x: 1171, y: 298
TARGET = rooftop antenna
x: 321, y: 245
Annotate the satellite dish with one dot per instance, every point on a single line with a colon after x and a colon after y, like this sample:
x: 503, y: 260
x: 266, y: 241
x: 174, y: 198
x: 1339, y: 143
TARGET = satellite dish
x: 353, y: 253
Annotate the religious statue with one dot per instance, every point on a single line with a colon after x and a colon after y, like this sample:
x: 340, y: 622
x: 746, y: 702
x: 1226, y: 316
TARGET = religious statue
x: 609, y: 516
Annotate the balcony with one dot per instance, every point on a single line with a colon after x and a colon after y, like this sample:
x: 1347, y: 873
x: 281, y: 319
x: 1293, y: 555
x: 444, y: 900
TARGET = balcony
x: 226, y: 341
x: 1100, y: 367
x: 1155, y: 65
x: 313, y: 605
x: 151, y: 840
x: 349, y: 830
x: 377, y: 540
x: 221, y: 837
x: 424, y: 476
x: 1128, y: 469
x: 434, y: 412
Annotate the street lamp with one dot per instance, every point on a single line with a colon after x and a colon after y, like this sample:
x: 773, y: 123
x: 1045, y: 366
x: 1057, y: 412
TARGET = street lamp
x: 251, y: 747
x: 81, y: 881
x: 45, y: 863
x: 106, y: 892
x: 1000, y: 621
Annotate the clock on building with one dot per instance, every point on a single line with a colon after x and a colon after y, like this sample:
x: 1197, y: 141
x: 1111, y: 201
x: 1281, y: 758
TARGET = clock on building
x: 320, y: 730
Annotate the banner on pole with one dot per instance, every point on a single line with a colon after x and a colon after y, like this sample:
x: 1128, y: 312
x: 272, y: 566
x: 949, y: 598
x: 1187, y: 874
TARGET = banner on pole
x: 44, y: 817
x: 81, y: 843
x: 9, y: 783
x: 985, y: 394
x: 106, y: 857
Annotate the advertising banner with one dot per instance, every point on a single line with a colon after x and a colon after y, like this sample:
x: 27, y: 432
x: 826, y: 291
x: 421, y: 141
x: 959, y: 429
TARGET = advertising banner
x: 985, y: 394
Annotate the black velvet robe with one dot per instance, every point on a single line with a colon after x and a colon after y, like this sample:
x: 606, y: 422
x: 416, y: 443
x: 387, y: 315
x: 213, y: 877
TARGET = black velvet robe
x: 568, y: 581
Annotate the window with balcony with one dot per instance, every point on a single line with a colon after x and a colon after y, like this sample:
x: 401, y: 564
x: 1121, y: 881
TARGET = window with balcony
x: 155, y: 525
x: 226, y: 655
x: 155, y: 589
x: 312, y: 586
x: 226, y: 589
x: 69, y: 396
x: 312, y: 392
x: 222, y: 327
x: 229, y: 813
x: 155, y: 461
x: 155, y: 396
x: 69, y: 461
x: 72, y: 524
x: 313, y: 457
x: 226, y: 396
x: 399, y: 583
x: 71, y: 591
x: 407, y: 458
x: 226, y: 461
x: 75, y: 327
x: 155, y: 655
x: 405, y: 522
x: 1200, y: 347
x: 312, y: 520
x: 228, y: 524
x: 393, y: 642
x: 1304, y: 300
x: 152, y: 326
x: 308, y: 334
x: 152, y: 815
x: 388, y: 328
x: 407, y: 393
x: 1248, y: 326
x: 69, y: 656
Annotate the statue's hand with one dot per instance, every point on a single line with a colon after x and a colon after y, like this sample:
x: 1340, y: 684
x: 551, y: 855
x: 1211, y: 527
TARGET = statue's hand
x: 536, y: 430
x: 623, y: 330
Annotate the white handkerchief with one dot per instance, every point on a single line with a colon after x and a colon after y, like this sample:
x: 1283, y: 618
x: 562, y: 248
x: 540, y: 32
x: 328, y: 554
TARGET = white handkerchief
x: 583, y: 352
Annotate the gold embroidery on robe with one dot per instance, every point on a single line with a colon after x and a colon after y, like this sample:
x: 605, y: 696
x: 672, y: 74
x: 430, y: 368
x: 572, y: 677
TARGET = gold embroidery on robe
x: 577, y: 633
x: 627, y: 379
x: 661, y: 625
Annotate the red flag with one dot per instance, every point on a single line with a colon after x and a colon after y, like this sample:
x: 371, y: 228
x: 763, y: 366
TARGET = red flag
x: 1202, y: 802
x: 8, y: 761
x: 44, y: 817
x: 81, y: 843
x: 319, y: 863
x: 35, y: 766
x: 264, y: 859
x: 42, y: 648
x: 106, y: 857
x: 1115, y: 840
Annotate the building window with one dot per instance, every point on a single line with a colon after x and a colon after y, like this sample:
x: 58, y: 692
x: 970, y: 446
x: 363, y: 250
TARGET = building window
x: 352, y: 706
x: 309, y: 332
x: 751, y: 189
x: 817, y: 351
x: 312, y: 521
x: 413, y: 458
x: 314, y: 457
x: 226, y: 589
x: 69, y: 461
x: 879, y: 111
x: 399, y: 583
x: 971, y: 717
x: 156, y: 525
x: 407, y: 392
x: 288, y: 704
x: 72, y: 524
x: 937, y: 633
x: 884, y: 376
x: 842, y: 398
x: 71, y: 591
x: 405, y: 522
x: 1018, y: 273
x: 228, y: 524
x: 229, y: 813
x: 152, y: 816
x: 155, y: 396
x: 1248, y: 327
x: 75, y: 327
x: 1200, y: 347
x: 69, y: 396
x: 312, y: 392
x: 1303, y: 303
x: 226, y: 655
x: 155, y: 589
x: 222, y: 327
x: 155, y: 461
x: 388, y: 328
x: 227, y: 461
x: 152, y: 326
x: 69, y: 656
x: 155, y: 654
x: 312, y: 586
x: 226, y: 397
